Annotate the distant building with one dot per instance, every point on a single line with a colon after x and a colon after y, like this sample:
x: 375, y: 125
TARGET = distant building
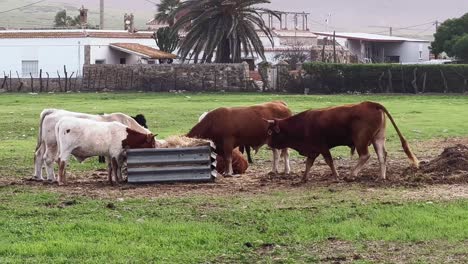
x: 28, y: 51
x: 372, y: 48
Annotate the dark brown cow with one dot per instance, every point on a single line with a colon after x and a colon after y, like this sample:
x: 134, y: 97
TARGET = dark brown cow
x: 229, y: 128
x: 315, y: 132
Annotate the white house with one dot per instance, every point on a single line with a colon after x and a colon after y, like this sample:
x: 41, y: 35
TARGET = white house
x: 372, y: 48
x: 26, y: 52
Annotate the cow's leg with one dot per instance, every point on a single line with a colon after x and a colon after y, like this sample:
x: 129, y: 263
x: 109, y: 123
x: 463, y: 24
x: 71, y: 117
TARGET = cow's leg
x: 38, y: 162
x: 275, y: 160
x: 379, y: 146
x: 228, y: 171
x: 329, y: 160
x: 109, y: 169
x: 309, y: 163
x: 49, y: 158
x: 62, y: 166
x: 227, y: 156
x: 249, y: 156
x: 115, y: 168
x: 285, y: 155
x: 364, y: 156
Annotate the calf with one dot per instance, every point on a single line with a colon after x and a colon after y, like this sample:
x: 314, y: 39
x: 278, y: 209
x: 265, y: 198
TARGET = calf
x: 46, y: 148
x: 315, y: 132
x: 229, y: 128
x: 141, y: 120
x: 84, y: 138
x: 239, y: 163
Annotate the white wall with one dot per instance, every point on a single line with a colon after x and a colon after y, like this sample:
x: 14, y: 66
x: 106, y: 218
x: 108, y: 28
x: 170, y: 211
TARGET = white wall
x: 51, y: 55
x: 407, y: 51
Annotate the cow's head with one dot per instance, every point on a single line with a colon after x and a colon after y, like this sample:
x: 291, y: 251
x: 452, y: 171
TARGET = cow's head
x: 276, y: 137
x: 150, y: 141
x: 136, y: 139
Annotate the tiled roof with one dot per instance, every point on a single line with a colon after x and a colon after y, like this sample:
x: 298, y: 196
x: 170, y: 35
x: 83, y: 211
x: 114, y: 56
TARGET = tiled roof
x: 295, y: 33
x: 74, y: 33
x: 142, y: 50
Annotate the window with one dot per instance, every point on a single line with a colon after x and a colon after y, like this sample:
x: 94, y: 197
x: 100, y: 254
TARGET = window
x: 100, y: 62
x: 30, y: 66
x: 392, y: 59
x: 123, y: 61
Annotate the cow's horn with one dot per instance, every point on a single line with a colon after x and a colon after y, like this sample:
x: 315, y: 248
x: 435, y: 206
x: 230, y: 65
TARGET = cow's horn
x: 271, y: 122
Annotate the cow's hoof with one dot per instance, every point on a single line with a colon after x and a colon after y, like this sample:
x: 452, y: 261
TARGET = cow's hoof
x: 61, y: 183
x: 35, y: 179
x: 349, y: 179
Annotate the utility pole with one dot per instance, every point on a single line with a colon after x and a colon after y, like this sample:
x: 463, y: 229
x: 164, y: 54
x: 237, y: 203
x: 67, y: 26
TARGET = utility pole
x: 391, y: 31
x: 334, y: 47
x: 436, y: 23
x: 101, y: 14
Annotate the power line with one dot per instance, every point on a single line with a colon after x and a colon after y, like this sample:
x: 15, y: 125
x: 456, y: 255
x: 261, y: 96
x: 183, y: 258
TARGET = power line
x: 154, y: 3
x: 404, y: 28
x: 16, y: 8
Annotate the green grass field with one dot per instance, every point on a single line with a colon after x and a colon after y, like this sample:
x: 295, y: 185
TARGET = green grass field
x: 345, y: 222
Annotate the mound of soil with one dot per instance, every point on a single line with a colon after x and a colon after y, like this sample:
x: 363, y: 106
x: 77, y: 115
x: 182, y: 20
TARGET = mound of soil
x: 451, y: 166
x: 452, y: 159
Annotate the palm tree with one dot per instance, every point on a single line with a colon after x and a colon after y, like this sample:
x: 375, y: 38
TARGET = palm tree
x: 166, y: 11
x: 222, y: 29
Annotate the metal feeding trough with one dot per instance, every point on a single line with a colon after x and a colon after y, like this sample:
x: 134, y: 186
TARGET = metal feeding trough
x: 192, y: 164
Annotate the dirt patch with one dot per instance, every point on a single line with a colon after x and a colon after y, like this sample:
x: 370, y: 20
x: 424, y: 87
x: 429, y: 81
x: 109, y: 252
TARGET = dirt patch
x: 338, y: 251
x: 450, y: 167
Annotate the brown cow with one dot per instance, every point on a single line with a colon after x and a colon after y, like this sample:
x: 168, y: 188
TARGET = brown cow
x: 315, y: 132
x: 229, y: 128
x: 239, y: 163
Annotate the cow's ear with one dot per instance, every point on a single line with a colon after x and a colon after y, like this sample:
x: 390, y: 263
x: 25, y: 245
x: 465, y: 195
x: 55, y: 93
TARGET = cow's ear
x: 150, y: 137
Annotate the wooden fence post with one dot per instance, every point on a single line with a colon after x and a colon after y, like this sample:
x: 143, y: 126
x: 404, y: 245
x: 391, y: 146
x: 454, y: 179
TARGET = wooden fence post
x: 20, y: 83
x: 41, y: 85
x: 60, y: 83
x: 445, y: 81
x: 32, y: 83
x: 66, y: 77
x: 390, y: 82
x: 414, y: 82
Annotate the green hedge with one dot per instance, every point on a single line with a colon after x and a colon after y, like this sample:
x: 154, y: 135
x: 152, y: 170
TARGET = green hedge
x: 385, y: 78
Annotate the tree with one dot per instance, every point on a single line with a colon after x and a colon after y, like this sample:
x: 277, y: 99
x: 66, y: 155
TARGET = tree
x: 447, y: 35
x: 460, y: 48
x: 167, y: 11
x: 294, y: 55
x: 166, y: 39
x: 62, y: 20
x: 222, y: 29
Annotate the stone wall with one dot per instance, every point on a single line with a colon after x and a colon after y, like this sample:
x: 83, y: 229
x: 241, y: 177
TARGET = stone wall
x: 141, y: 77
x: 159, y: 78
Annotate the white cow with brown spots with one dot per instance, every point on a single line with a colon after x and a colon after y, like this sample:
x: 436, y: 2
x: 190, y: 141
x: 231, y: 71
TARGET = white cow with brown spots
x: 84, y: 138
x: 46, y: 148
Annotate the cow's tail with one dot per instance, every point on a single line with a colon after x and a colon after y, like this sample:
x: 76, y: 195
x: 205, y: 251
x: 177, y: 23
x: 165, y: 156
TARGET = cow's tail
x: 44, y: 113
x: 404, y: 143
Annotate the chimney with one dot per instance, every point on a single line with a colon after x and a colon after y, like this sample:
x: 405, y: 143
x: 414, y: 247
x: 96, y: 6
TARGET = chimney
x: 83, y: 17
x: 101, y: 14
x: 128, y: 23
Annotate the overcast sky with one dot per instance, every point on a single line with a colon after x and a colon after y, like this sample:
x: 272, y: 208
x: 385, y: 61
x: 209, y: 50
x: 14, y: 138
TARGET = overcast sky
x: 346, y: 15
